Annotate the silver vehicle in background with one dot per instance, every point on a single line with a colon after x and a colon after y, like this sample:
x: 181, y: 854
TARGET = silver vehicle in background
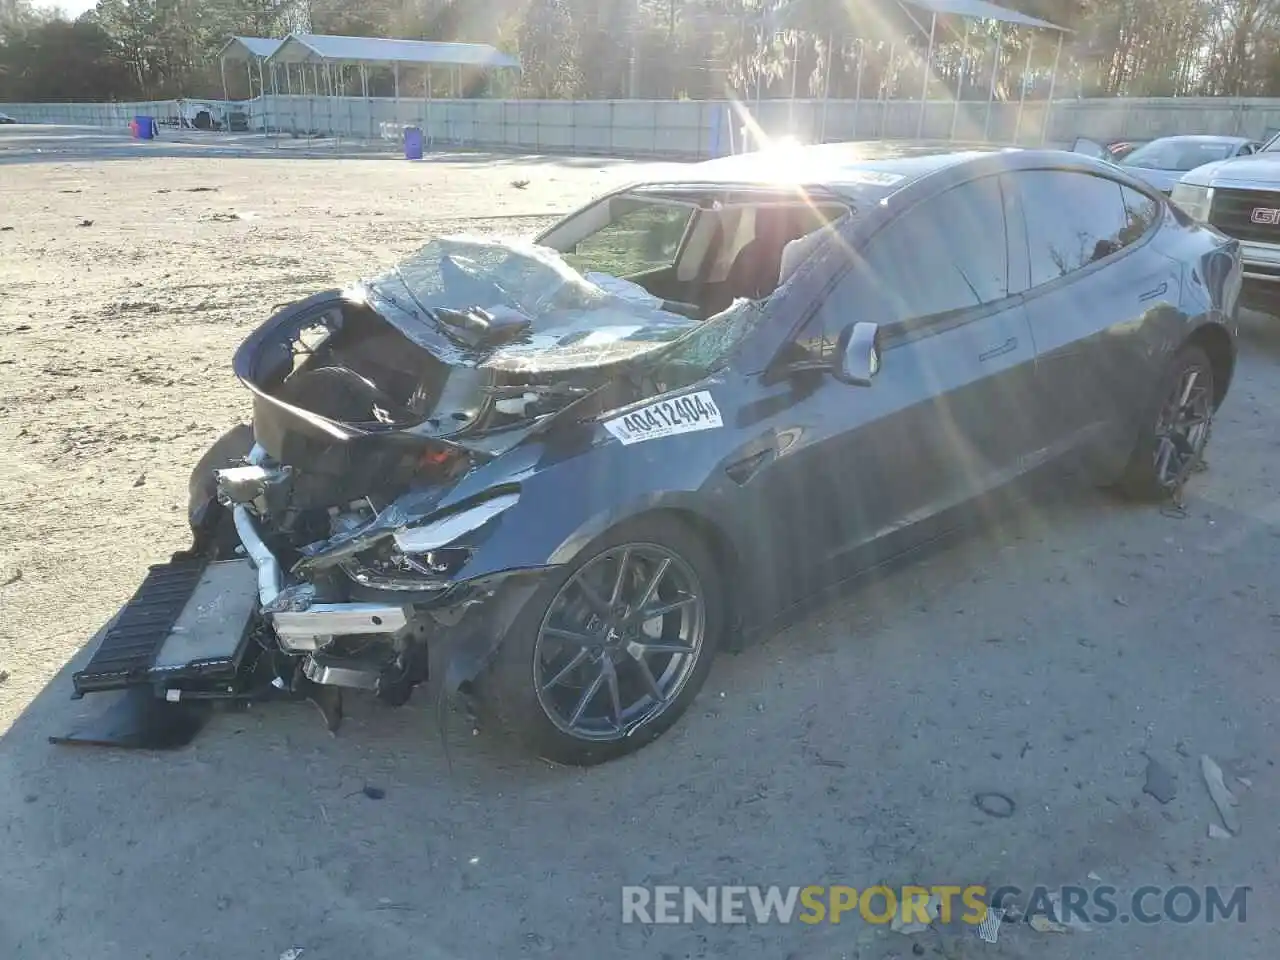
x: 1163, y: 161
x: 1240, y: 197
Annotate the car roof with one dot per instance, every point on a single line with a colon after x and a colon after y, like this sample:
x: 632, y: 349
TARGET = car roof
x: 841, y: 167
x: 1203, y: 138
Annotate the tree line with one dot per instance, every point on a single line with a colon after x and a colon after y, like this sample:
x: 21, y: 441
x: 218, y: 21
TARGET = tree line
x: 697, y: 49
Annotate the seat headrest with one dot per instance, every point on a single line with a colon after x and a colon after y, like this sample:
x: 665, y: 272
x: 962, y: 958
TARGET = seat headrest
x: 798, y: 250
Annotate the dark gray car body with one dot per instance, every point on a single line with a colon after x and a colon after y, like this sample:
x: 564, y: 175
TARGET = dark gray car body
x: 811, y: 481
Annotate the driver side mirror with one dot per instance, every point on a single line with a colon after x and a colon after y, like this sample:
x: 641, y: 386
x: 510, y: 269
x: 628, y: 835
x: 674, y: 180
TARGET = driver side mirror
x: 857, y: 359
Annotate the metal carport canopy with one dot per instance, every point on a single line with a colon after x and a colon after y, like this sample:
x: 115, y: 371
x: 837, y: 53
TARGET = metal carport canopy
x: 302, y: 48
x: 249, y: 48
x: 981, y: 10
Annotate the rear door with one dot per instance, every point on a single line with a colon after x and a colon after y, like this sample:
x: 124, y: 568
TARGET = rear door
x: 944, y: 420
x: 1092, y: 280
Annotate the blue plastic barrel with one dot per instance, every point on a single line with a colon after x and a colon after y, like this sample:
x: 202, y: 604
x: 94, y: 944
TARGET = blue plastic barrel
x: 413, y: 143
x: 146, y: 127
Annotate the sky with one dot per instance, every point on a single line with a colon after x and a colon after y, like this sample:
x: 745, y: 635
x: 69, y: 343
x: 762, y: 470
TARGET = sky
x: 72, y: 8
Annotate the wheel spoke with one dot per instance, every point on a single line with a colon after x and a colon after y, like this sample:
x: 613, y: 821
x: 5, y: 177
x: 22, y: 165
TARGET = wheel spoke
x: 611, y: 677
x: 1188, y: 384
x: 663, y: 609
x: 572, y: 636
x: 577, y: 660
x: 620, y: 581
x: 647, y: 676
x: 651, y: 588
x: 662, y: 647
x: 587, y: 696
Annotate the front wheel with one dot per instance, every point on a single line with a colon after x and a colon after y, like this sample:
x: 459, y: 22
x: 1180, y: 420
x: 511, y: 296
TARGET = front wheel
x: 1172, y: 442
x: 607, y: 655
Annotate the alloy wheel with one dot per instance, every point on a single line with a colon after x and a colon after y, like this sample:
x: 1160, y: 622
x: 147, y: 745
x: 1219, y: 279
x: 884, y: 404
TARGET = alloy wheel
x: 1183, y: 427
x: 619, y: 642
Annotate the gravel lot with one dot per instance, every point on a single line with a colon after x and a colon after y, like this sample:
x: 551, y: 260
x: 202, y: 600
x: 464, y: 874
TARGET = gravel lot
x: 1047, y: 660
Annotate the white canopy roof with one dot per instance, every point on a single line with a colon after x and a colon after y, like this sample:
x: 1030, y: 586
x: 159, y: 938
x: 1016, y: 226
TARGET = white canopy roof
x: 249, y: 48
x: 315, y: 48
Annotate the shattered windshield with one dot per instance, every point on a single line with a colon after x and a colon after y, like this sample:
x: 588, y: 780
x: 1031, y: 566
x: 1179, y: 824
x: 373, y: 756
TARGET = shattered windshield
x: 515, y: 305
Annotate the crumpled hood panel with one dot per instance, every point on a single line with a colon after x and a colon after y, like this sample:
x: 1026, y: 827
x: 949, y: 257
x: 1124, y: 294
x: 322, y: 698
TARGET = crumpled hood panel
x: 574, y: 324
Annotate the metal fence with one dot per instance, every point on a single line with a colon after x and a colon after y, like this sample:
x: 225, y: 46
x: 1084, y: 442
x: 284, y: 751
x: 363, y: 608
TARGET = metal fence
x: 697, y: 128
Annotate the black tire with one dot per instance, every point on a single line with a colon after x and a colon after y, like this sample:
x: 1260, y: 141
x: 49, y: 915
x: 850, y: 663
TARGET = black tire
x: 1141, y: 479
x: 508, y: 691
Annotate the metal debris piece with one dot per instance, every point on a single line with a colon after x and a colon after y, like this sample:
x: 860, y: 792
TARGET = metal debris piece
x: 1042, y: 924
x: 915, y: 926
x: 1161, y: 783
x: 293, y: 953
x: 1223, y: 798
x: 1217, y: 833
x: 989, y: 929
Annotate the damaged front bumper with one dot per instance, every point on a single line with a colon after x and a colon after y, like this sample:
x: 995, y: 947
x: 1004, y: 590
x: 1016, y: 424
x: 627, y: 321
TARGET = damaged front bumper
x: 301, y: 626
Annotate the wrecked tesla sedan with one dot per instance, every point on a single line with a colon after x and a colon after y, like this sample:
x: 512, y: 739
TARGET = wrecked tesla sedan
x: 559, y: 475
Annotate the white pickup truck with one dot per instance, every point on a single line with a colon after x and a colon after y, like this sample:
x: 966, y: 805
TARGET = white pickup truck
x: 1241, y: 197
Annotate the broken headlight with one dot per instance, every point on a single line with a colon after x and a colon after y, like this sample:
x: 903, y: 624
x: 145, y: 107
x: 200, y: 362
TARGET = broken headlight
x: 421, y: 557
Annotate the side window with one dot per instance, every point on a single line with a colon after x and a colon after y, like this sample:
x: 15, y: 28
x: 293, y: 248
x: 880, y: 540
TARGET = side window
x: 1073, y: 219
x: 940, y: 256
x: 642, y: 236
x: 1141, y: 213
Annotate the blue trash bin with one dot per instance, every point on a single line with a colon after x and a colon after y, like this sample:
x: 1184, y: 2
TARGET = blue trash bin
x: 146, y: 127
x: 413, y: 143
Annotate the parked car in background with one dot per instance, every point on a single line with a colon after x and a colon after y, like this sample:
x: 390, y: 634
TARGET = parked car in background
x: 1162, y: 162
x: 5, y: 118
x: 574, y: 468
x: 1241, y: 197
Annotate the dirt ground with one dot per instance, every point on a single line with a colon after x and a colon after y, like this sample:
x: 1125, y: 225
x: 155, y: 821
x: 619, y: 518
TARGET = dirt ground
x: 1047, y: 661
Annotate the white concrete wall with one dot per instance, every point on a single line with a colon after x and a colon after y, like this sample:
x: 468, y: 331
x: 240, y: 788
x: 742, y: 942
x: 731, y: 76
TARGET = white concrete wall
x: 691, y: 128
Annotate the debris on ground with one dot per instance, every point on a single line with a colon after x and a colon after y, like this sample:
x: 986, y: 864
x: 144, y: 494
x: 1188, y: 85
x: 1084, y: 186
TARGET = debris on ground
x: 374, y: 793
x: 994, y: 804
x: 1244, y: 782
x: 930, y: 909
x: 141, y: 480
x: 293, y: 953
x: 989, y: 929
x: 1042, y: 924
x: 85, y: 223
x: 1072, y: 922
x: 4, y: 675
x: 1223, y: 798
x: 1094, y: 877
x: 1162, y: 783
x: 1217, y: 833
x: 12, y: 577
x: 6, y: 229
x: 519, y: 184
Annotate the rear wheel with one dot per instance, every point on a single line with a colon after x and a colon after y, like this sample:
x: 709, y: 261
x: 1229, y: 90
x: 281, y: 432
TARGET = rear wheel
x: 608, y: 654
x: 1173, y: 441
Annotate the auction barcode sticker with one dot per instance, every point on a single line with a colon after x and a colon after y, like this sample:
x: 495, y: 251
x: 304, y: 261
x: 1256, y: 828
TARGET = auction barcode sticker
x: 687, y: 414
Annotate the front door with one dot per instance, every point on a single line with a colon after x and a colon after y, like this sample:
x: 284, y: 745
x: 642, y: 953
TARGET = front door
x: 866, y: 469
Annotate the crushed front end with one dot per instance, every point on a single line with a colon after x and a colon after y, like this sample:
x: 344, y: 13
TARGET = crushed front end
x: 334, y: 541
